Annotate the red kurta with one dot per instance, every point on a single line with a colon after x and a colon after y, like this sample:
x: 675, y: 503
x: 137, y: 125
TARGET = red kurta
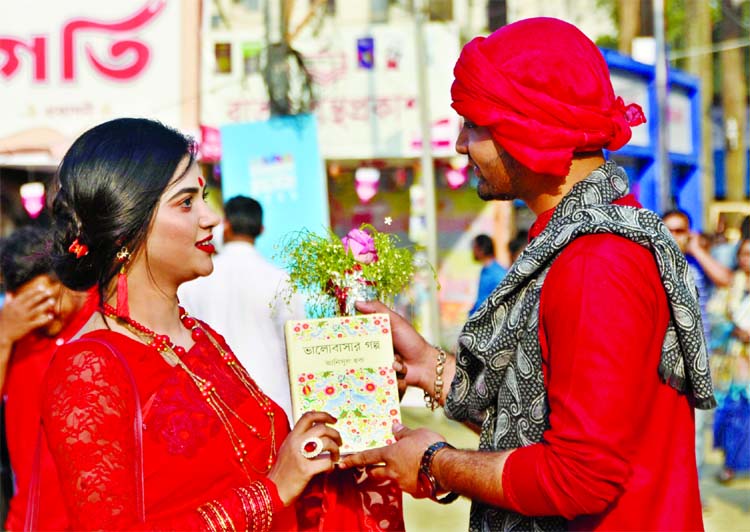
x: 619, y: 454
x: 188, y: 457
x: 30, y: 358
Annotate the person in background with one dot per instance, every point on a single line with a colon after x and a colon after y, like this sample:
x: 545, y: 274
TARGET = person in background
x: 708, y: 273
x: 483, y: 250
x: 518, y: 244
x: 732, y: 422
x: 727, y: 239
x: 583, y: 368
x: 240, y: 300
x: 39, y: 315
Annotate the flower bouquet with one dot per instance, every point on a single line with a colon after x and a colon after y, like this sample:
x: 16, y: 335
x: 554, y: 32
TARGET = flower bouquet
x: 333, y: 273
x: 341, y: 363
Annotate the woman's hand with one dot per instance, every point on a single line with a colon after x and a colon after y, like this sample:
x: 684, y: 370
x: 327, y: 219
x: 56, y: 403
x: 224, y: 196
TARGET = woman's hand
x: 292, y: 471
x: 399, y: 461
x: 415, y: 360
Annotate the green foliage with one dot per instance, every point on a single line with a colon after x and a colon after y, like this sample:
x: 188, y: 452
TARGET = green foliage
x: 607, y: 41
x: 319, y: 266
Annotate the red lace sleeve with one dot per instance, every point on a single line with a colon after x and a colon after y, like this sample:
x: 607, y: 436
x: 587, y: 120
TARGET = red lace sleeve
x: 88, y: 412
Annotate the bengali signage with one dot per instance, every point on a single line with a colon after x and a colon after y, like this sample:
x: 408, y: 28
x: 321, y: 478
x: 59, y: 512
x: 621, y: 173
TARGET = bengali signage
x: 365, y: 80
x: 86, y: 61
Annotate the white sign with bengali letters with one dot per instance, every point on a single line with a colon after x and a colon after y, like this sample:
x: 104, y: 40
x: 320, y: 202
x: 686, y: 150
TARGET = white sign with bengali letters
x: 81, y: 62
x: 365, y: 82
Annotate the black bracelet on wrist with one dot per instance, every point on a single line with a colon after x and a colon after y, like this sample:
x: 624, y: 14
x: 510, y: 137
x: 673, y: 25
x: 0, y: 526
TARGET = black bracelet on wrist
x: 425, y: 470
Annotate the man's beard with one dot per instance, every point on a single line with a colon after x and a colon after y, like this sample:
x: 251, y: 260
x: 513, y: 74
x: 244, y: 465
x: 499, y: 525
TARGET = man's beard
x: 485, y: 192
x: 514, y: 172
x: 486, y: 196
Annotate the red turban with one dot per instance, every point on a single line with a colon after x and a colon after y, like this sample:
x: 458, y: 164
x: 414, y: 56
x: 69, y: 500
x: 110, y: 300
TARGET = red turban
x: 543, y: 90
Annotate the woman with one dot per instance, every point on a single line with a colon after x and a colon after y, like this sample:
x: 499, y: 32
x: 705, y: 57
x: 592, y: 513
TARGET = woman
x: 151, y: 421
x: 732, y: 423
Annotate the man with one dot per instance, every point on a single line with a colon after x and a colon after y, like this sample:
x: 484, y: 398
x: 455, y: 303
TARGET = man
x: 518, y: 244
x: 39, y: 315
x: 707, y: 273
x: 582, y: 383
x: 491, y: 274
x: 240, y: 300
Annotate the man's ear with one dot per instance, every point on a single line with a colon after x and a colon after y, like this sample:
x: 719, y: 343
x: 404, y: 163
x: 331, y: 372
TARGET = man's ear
x: 262, y: 228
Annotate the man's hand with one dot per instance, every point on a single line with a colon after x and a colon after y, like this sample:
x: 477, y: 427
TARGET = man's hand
x: 694, y: 244
x: 29, y: 308
x: 716, y: 272
x: 398, y: 461
x: 415, y: 360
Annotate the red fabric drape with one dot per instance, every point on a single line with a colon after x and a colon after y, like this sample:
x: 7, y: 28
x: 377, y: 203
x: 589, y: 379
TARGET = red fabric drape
x: 188, y: 460
x: 543, y: 89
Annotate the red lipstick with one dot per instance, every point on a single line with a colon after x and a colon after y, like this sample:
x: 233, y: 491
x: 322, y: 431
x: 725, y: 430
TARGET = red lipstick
x: 206, y: 245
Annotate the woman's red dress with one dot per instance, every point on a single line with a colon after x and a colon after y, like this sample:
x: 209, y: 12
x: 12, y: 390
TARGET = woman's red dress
x: 88, y: 412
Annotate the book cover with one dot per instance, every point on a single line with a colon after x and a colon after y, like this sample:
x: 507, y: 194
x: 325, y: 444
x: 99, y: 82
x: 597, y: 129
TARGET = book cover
x: 343, y: 366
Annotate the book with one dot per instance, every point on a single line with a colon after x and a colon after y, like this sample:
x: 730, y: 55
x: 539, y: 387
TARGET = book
x: 344, y: 366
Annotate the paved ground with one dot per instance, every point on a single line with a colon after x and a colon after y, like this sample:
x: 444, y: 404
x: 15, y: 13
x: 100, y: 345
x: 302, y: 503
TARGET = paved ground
x: 727, y: 507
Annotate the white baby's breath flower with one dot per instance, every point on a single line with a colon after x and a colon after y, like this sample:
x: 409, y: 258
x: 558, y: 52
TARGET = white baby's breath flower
x: 388, y: 220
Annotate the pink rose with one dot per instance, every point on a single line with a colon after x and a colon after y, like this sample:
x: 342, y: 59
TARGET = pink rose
x: 362, y: 246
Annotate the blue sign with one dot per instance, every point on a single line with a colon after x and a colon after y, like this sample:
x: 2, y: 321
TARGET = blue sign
x: 278, y: 163
x: 635, y: 82
x: 366, y: 53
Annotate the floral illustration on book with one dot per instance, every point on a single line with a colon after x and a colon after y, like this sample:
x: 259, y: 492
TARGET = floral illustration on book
x: 344, y: 328
x: 361, y: 398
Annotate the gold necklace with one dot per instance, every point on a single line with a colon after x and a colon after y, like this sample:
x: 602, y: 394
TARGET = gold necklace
x: 173, y: 354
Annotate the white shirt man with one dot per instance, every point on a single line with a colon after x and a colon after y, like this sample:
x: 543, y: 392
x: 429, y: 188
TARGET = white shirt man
x: 239, y: 300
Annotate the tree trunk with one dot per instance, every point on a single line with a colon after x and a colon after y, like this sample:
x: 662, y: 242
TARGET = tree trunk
x: 700, y: 63
x: 629, y: 20
x: 497, y: 14
x: 733, y: 96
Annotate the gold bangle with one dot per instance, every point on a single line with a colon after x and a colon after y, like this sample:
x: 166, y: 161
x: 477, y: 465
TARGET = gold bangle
x: 432, y: 401
x: 245, y: 508
x: 266, y: 503
x: 222, y: 516
x: 262, y: 504
x: 207, y: 519
x: 256, y: 509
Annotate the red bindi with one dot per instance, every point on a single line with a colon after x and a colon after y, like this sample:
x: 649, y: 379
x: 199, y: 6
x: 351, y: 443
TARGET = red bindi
x: 201, y: 181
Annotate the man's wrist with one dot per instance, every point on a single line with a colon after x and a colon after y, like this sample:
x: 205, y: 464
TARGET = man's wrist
x: 433, y: 387
x: 429, y: 472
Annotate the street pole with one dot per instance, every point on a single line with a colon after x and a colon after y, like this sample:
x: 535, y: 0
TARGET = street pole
x: 432, y: 329
x: 661, y: 160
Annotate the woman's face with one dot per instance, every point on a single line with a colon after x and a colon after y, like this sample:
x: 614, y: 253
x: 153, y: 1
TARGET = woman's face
x: 743, y: 256
x: 179, y: 246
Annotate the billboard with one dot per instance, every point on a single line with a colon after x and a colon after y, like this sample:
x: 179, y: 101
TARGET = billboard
x: 277, y: 162
x: 365, y: 81
x: 84, y: 62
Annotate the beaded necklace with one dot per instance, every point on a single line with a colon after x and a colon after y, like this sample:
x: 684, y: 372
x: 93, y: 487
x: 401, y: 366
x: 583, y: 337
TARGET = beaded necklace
x: 173, y: 354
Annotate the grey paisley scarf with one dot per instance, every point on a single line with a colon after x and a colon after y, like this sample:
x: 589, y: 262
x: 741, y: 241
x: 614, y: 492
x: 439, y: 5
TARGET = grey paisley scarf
x: 499, y: 381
